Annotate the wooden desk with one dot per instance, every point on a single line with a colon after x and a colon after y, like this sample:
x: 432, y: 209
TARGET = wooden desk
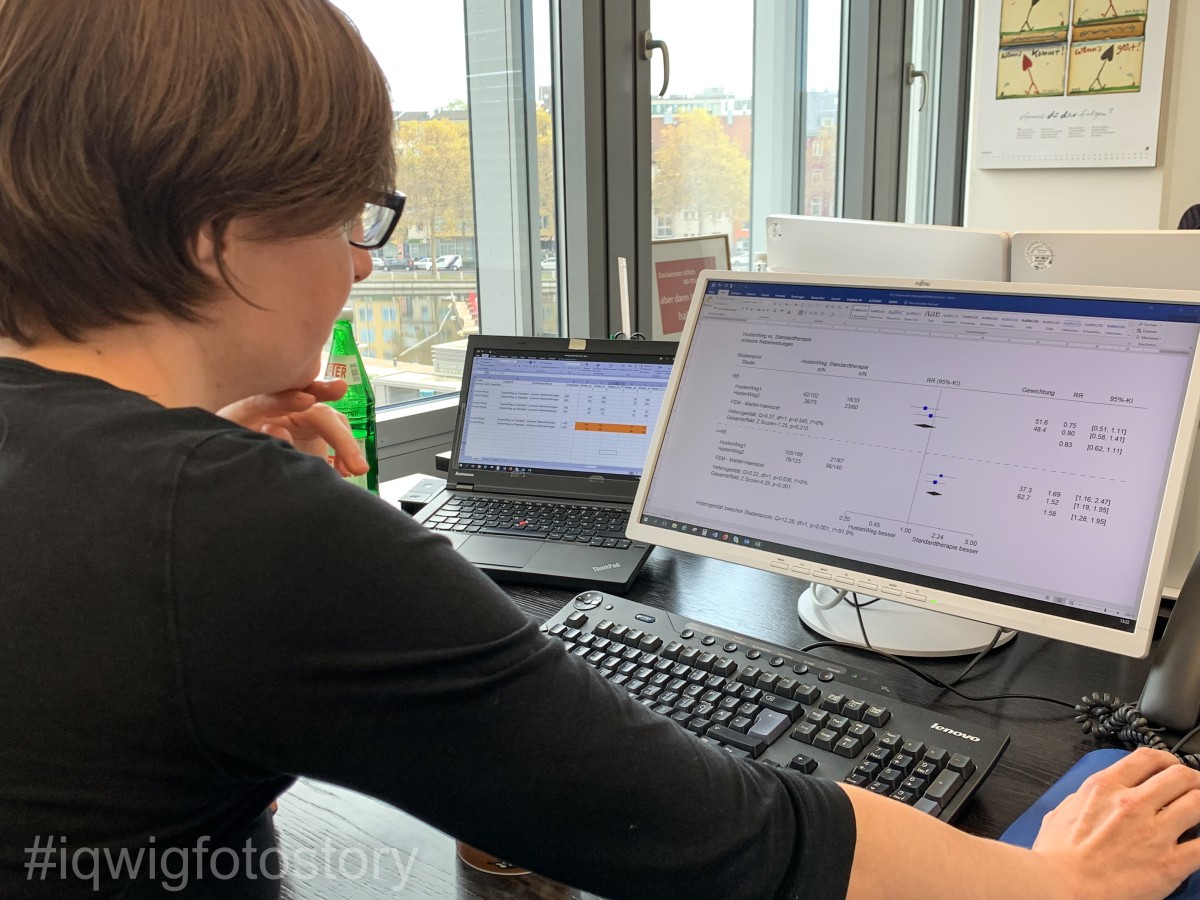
x: 1045, y: 740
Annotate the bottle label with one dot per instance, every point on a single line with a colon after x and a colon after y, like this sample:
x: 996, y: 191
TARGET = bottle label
x: 345, y: 367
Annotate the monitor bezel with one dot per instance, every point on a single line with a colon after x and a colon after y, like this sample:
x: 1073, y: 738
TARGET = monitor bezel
x: 1130, y: 643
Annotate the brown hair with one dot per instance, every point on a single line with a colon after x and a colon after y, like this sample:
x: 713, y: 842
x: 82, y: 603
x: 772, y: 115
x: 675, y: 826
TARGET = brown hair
x: 126, y: 126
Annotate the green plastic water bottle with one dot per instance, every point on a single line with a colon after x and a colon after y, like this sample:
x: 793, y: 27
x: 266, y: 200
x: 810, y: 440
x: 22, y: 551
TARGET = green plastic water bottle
x: 358, y: 405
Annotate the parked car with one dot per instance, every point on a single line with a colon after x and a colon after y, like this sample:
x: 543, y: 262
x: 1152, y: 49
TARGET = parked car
x: 376, y: 263
x: 550, y: 263
x: 391, y: 263
x: 740, y: 261
x: 450, y: 261
x: 425, y: 263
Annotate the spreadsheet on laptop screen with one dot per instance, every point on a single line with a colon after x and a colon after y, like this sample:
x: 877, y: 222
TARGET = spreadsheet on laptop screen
x: 549, y: 413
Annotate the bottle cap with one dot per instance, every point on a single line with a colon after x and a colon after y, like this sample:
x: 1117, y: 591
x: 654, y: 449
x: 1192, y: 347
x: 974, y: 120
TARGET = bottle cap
x: 346, y: 315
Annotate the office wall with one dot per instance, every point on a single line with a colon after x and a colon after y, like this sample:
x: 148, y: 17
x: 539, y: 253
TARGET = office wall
x: 1018, y: 199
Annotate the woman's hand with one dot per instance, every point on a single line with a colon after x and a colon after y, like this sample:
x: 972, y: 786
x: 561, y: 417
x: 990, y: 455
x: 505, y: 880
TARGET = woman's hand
x: 302, y: 418
x: 1120, y: 831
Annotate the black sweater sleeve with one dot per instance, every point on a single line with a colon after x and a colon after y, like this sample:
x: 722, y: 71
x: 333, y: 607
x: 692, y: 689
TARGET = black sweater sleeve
x: 323, y: 633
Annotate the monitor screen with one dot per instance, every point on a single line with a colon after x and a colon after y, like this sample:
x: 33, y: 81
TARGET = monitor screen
x: 1143, y: 259
x: 989, y: 450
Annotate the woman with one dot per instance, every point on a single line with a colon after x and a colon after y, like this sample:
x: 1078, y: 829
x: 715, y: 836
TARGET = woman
x: 194, y: 611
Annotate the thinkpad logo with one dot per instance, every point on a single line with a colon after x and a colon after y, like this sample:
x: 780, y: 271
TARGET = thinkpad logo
x: 614, y: 566
x: 966, y: 737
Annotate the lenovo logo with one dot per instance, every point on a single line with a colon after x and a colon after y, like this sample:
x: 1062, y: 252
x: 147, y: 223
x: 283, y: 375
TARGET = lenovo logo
x: 966, y: 737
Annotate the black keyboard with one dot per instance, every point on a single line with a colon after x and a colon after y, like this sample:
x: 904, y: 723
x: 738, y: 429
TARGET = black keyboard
x: 781, y: 707
x: 599, y: 526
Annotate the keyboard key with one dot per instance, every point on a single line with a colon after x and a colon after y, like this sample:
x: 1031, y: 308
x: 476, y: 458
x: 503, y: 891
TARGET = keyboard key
x: 767, y: 681
x: 826, y: 739
x: 752, y: 744
x: 769, y: 725
x: 806, y: 693
x: 880, y: 755
x: 698, y: 725
x: 854, y: 709
x: 961, y: 764
x: 848, y: 747
x: 724, y: 666
x: 915, y: 749
x: 833, y: 702
x: 672, y: 650
x: 840, y: 724
x: 818, y: 717
x: 576, y: 620
x: 705, y: 661
x: 633, y: 636
x: 802, y: 763
x: 688, y: 655
x: 855, y: 779
x: 784, y: 687
x: 937, y: 756
x: 925, y: 769
x: 805, y: 732
x: 650, y: 643
x: 892, y: 776
x: 862, y: 731
x: 876, y: 715
x: 740, y: 724
x: 891, y: 741
x: 750, y: 674
x: 751, y: 694
x: 789, y: 708
x: 944, y: 787
x: 878, y: 787
x: 869, y: 769
x: 904, y: 762
x: 926, y: 805
x: 904, y: 796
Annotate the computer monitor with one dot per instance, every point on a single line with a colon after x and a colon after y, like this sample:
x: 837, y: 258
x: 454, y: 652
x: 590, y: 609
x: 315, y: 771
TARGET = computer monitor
x: 1144, y: 259
x: 1003, y: 453
x: 889, y: 249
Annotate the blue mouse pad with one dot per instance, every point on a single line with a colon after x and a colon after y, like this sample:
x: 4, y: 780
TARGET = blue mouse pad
x: 1022, y: 832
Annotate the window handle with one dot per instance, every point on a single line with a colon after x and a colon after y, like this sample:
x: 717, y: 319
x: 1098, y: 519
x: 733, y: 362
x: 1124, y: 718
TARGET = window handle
x: 911, y: 74
x: 649, y: 45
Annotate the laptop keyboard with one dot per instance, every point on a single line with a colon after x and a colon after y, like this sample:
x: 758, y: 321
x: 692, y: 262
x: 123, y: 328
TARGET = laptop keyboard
x: 597, y: 526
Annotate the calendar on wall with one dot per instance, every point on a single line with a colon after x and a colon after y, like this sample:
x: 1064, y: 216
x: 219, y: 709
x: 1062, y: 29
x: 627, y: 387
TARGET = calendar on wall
x: 1069, y: 83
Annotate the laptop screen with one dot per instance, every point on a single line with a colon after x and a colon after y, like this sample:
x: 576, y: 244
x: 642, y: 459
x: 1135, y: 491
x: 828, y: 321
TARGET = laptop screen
x: 558, y: 412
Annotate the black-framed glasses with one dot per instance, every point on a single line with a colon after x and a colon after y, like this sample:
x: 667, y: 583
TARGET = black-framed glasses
x: 377, y: 221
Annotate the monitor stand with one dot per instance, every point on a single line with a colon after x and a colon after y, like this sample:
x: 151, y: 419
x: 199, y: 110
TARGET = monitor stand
x: 893, y: 627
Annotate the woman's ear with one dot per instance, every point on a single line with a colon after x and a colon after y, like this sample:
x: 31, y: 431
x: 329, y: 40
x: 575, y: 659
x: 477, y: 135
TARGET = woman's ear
x: 204, y: 251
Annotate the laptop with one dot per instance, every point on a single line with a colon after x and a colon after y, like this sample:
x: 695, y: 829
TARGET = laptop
x: 551, y: 438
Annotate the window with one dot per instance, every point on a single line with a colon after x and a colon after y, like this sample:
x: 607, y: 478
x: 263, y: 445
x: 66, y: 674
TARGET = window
x: 449, y: 270
x: 700, y: 133
x: 803, y: 109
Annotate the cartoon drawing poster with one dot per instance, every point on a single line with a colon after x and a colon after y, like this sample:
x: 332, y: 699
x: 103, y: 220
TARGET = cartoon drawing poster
x: 1078, y: 83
